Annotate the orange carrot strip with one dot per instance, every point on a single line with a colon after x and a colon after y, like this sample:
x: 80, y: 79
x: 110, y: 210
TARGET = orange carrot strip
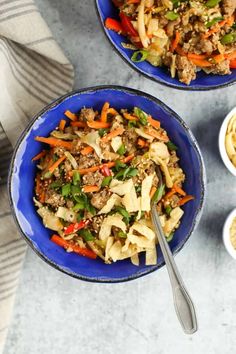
x: 230, y: 56
x: 104, y: 112
x: 129, y: 116
x: 202, y: 63
x: 196, y: 56
x: 179, y: 190
x: 90, y: 189
x: 98, y: 125
x: 175, y: 41
x: 54, y: 142
x: 62, y: 124
x: 141, y: 143
x: 38, y: 156
x: 78, y: 124
x: 42, y: 196
x: 84, y: 171
x: 87, y: 150
x: 112, y: 134
x: 155, y: 123
x: 180, y: 51
x: 112, y: 111
x: 170, y: 193
x: 133, y: 2
x: 38, y: 185
x: 70, y: 115
x: 152, y: 192
x: 77, y: 249
x: 157, y: 135
x: 56, y: 164
x: 185, y: 199
x: 218, y: 58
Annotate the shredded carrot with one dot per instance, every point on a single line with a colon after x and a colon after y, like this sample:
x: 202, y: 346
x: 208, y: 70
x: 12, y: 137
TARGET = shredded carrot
x: 98, y: 125
x: 77, y: 249
x: 229, y: 21
x: 38, y: 185
x: 111, y: 164
x: 218, y: 58
x: 179, y: 190
x: 170, y: 193
x: 180, y: 51
x: 202, y: 63
x: 153, y: 122
x: 56, y: 164
x: 42, y: 196
x: 142, y: 143
x: 54, y: 142
x: 232, y: 64
x: 196, y: 56
x: 129, y: 116
x: 70, y: 115
x: 152, y: 192
x: 38, y: 156
x: 155, y: 134
x: 175, y: 41
x: 104, y: 112
x: 62, y: 124
x: 230, y: 56
x: 78, y: 124
x: 185, y: 199
x: 90, y: 189
x: 133, y: 2
x: 112, y: 111
x: 87, y: 150
x: 112, y: 134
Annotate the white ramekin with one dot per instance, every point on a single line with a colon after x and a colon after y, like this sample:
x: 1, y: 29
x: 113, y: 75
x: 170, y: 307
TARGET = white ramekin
x: 226, y: 234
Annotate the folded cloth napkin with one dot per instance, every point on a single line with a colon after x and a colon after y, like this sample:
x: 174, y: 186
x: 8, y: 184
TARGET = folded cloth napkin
x: 33, y: 72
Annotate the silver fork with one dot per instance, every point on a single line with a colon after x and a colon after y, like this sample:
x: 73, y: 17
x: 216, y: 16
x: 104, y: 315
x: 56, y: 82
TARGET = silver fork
x: 183, y: 304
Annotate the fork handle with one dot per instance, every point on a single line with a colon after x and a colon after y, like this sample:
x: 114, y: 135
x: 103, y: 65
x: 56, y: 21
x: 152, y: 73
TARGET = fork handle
x: 183, y: 304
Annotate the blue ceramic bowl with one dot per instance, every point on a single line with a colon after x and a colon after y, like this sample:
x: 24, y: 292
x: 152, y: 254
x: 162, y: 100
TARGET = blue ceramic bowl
x: 22, y: 174
x: 105, y: 8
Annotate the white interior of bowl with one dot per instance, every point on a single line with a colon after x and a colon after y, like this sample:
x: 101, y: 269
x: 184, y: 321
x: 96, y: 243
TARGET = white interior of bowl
x: 226, y: 234
x: 221, y: 142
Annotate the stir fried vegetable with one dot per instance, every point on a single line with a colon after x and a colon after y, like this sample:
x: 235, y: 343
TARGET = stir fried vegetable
x: 96, y: 181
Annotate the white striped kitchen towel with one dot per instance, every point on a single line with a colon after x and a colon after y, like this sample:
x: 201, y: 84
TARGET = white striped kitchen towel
x: 33, y: 72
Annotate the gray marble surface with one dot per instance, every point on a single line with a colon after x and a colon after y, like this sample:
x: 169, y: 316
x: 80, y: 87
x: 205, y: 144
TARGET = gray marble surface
x: 55, y: 314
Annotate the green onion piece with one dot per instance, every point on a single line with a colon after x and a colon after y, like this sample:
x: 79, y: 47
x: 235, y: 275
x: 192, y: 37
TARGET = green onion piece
x: 56, y: 184
x: 168, y: 210
x: 170, y: 237
x: 47, y: 175
x: 212, y: 3
x: 79, y: 206
x: 141, y: 115
x: 80, y: 216
x: 124, y: 213
x: 119, y: 165
x: 159, y: 193
x: 138, y: 188
x: 171, y: 15
x: 214, y: 21
x: 139, y: 56
x: 102, y: 132
x: 132, y: 123
x: 54, y: 157
x: 228, y: 38
x: 65, y: 191
x: 76, y: 178
x: 91, y: 209
x: 171, y: 146
x: 106, y: 181
x: 234, y: 25
x: 86, y: 234
x: 76, y: 193
x: 132, y: 172
x: 122, y: 234
x: 121, y: 150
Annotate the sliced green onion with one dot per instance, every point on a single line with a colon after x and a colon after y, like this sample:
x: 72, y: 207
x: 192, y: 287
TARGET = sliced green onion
x: 91, y: 209
x: 80, y: 216
x: 122, y: 234
x: 65, y: 191
x: 168, y: 210
x: 171, y: 146
x: 234, y: 25
x: 79, y: 206
x: 170, y: 237
x: 159, y: 193
x: 132, y: 172
x: 121, y: 150
x: 54, y: 157
x: 47, y: 175
x: 106, y: 181
x: 122, y: 211
x: 141, y: 115
x: 56, y: 184
x: 139, y: 56
x: 132, y: 123
x: 86, y: 234
x: 171, y: 16
x: 119, y: 165
x: 76, y: 178
x: 102, y: 132
x: 212, y: 3
x: 214, y: 21
x: 228, y: 38
x: 76, y: 191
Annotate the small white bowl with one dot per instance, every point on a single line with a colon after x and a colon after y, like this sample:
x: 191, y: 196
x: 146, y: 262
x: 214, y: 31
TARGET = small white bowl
x: 226, y: 234
x: 221, y: 142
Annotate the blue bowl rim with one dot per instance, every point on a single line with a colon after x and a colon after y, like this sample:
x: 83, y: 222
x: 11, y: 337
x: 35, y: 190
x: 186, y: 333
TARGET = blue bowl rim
x: 89, y: 90
x: 159, y: 81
